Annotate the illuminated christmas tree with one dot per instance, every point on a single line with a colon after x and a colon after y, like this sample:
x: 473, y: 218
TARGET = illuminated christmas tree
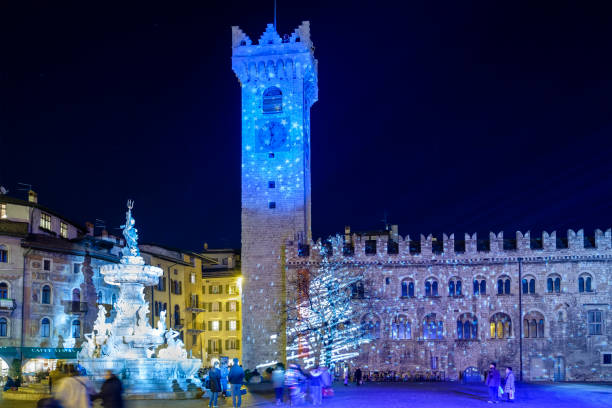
x: 322, y: 326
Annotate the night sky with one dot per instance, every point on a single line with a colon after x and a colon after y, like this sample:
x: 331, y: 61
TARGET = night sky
x: 447, y: 116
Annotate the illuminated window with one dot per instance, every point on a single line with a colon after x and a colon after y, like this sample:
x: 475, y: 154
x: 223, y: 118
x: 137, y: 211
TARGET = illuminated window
x: 467, y: 327
x: 533, y: 325
x: 215, y: 306
x: 272, y: 100
x: 3, y: 253
x: 232, y: 290
x: 76, y: 329
x: 45, y: 327
x: 3, y: 210
x: 214, y: 325
x: 432, y: 328
x: 400, y: 328
x: 4, y: 292
x: 500, y: 326
x: 45, y: 221
x: 232, y: 306
x: 63, y: 230
x: 232, y: 325
x: 594, y: 321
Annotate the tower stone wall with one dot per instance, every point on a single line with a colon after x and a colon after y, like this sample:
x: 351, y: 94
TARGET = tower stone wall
x: 278, y: 78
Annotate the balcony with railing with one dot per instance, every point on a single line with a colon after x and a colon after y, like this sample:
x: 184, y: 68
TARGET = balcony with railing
x: 7, y: 304
x: 195, y: 327
x: 75, y: 307
x: 179, y: 323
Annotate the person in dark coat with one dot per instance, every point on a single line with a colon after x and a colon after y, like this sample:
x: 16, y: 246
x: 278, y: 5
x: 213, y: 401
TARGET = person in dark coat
x: 111, y: 392
x: 236, y: 377
x: 358, y: 376
x: 214, y: 380
x: 493, y: 381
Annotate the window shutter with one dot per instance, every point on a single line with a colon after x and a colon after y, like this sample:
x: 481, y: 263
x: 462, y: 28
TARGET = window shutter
x: 209, y: 327
x: 237, y: 324
x: 226, y: 288
x: 237, y: 344
x: 203, y: 290
x: 227, y: 325
x: 220, y: 288
x: 227, y: 306
x: 237, y: 306
x: 220, y: 350
x: 210, y: 306
x: 220, y: 326
x: 209, y: 345
x: 210, y: 289
x: 227, y: 344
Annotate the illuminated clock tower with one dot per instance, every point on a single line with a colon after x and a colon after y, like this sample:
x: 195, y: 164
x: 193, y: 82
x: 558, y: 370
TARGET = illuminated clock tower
x: 278, y: 77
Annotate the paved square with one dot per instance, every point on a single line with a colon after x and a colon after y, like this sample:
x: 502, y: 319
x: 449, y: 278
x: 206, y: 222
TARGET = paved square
x: 442, y: 395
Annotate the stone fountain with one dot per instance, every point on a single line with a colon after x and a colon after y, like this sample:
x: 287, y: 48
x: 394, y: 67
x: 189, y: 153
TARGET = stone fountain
x: 151, y: 361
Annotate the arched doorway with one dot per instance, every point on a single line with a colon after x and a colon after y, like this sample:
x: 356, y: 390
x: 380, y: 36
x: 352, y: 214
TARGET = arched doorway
x: 559, y: 370
x: 471, y: 375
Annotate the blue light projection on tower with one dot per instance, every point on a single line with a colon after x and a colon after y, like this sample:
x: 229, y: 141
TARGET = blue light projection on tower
x: 278, y: 77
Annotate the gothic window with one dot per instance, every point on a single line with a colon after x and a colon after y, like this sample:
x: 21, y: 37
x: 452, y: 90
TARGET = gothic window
x: 528, y: 285
x: 400, y: 328
x: 370, y: 325
x: 3, y: 254
x: 46, y: 295
x: 503, y: 286
x: 3, y: 327
x: 500, y: 326
x: 454, y: 287
x: 480, y: 286
x: 585, y: 283
x: 272, y: 100
x: 431, y: 287
x: 553, y: 284
x: 533, y: 325
x: 76, y: 329
x: 45, y: 221
x: 594, y: 321
x: 357, y: 290
x: 407, y: 288
x: 467, y: 327
x: 45, y: 327
x: 4, y: 290
x: 432, y: 328
x: 63, y: 230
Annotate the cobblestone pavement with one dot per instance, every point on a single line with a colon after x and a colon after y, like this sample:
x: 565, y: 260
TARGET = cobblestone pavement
x: 447, y: 395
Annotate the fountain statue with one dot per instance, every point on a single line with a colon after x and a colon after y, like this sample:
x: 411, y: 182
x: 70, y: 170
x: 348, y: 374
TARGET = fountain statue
x: 151, y: 360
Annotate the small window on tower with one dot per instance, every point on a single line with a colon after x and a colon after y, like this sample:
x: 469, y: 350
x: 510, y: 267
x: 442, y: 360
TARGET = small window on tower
x: 271, y: 184
x: 272, y: 100
x: 270, y: 155
x: 272, y: 204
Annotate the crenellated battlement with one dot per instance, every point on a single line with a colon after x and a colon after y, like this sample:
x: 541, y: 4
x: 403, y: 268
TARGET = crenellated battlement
x: 273, y: 57
x: 470, y: 246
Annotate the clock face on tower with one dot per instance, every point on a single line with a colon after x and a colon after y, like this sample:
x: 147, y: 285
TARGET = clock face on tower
x: 272, y: 136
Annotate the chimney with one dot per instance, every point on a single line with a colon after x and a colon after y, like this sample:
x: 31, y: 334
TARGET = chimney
x: 206, y: 246
x: 32, y: 197
x: 347, y: 234
x: 394, y: 233
x: 90, y: 228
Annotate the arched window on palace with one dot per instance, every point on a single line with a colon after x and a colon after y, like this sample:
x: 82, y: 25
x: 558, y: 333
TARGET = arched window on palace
x: 454, y: 287
x: 46, y: 295
x: 432, y: 328
x: 3, y: 327
x: 272, y: 100
x: 467, y: 327
x: 500, y: 326
x: 76, y: 329
x: 553, y: 284
x: 45, y: 327
x: 533, y: 325
x: 528, y: 285
x: 3, y: 253
x: 370, y: 326
x: 400, y: 328
x: 4, y: 290
x: 431, y: 287
x: 503, y: 285
x: 407, y: 288
x: 585, y: 283
x: 480, y: 286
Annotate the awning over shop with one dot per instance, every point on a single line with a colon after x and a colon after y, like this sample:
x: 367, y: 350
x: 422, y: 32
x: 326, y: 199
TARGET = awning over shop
x: 53, y: 353
x: 9, y: 352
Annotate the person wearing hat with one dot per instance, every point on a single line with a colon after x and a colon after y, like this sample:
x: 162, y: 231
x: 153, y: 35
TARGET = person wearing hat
x: 236, y: 377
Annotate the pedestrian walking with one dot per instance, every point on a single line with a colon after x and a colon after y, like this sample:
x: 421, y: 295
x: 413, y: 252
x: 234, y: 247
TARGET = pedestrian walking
x: 316, y: 392
x: 346, y: 376
x: 278, y: 378
x: 493, y: 382
x: 224, y: 374
x: 236, y: 378
x: 75, y: 390
x: 111, y: 392
x: 358, y: 376
x: 509, y: 388
x: 293, y: 380
x: 214, y: 384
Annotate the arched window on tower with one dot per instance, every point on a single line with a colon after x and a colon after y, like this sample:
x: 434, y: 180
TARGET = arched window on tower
x: 45, y: 327
x: 272, y: 100
x: 533, y: 325
x: 46, y: 295
x: 480, y: 286
x: 585, y: 283
x: 553, y: 284
x: 431, y: 287
x: 407, y: 288
x: 503, y: 285
x: 454, y: 287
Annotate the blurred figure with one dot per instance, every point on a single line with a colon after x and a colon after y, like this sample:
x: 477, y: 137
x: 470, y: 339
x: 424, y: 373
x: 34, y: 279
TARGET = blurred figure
x: 224, y: 373
x: 111, y: 392
x: 293, y: 380
x: 214, y: 380
x: 236, y: 377
x: 278, y: 379
x: 316, y: 393
x: 74, y: 390
x: 358, y: 376
x: 509, y: 387
x: 493, y: 382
